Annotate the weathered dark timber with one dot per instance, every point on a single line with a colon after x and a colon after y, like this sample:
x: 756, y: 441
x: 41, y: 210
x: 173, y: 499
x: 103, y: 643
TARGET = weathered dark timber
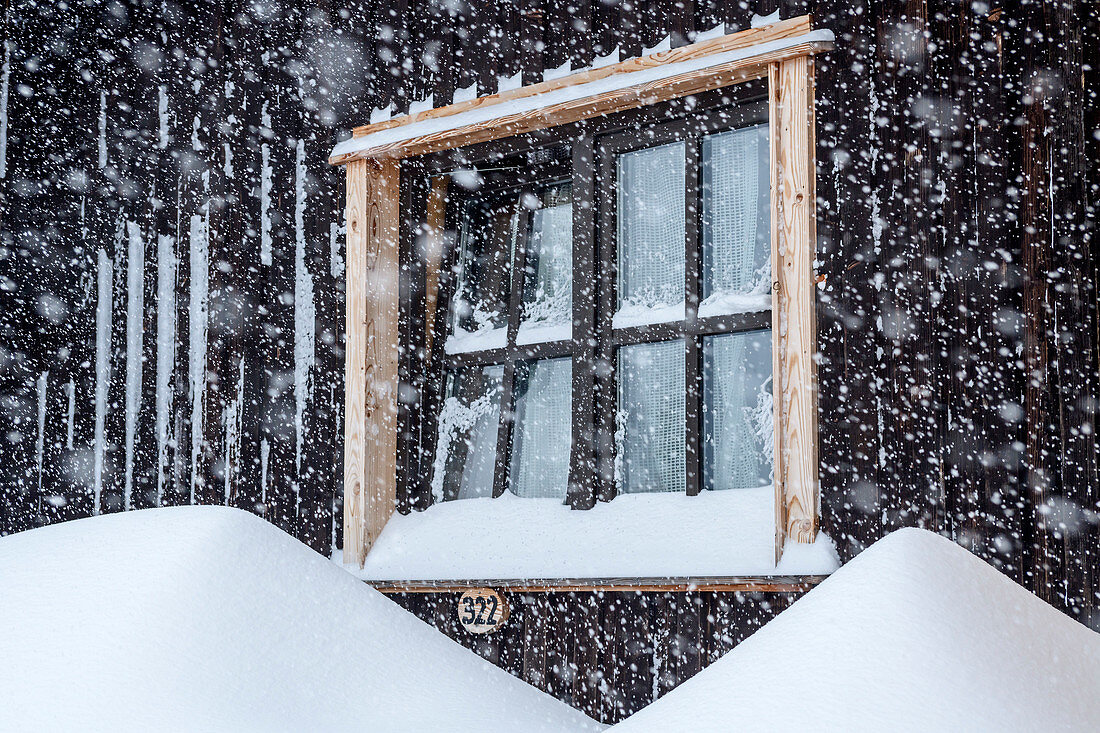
x: 958, y: 180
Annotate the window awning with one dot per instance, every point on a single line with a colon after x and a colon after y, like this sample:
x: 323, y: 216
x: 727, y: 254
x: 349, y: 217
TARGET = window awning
x: 699, y: 67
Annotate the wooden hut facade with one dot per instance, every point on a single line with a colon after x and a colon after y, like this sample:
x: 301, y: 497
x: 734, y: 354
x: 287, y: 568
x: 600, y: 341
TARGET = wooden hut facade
x: 202, y: 307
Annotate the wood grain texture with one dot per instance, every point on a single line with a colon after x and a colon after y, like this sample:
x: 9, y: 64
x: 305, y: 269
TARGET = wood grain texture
x: 433, y: 253
x: 778, y: 473
x: 774, y: 32
x: 598, y: 585
x: 619, y: 100
x: 798, y: 330
x: 370, y: 442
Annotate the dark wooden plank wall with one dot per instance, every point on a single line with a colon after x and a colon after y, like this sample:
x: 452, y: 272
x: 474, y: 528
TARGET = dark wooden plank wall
x: 608, y: 653
x: 266, y: 79
x: 959, y: 169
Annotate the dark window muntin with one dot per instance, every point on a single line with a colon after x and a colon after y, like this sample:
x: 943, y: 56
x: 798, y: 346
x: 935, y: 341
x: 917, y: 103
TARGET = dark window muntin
x: 594, y: 343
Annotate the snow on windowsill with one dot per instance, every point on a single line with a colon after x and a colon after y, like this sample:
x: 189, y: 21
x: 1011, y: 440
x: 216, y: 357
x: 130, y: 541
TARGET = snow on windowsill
x: 541, y: 332
x: 638, y: 314
x: 725, y: 304
x: 461, y: 342
x: 719, y: 304
x: 715, y: 534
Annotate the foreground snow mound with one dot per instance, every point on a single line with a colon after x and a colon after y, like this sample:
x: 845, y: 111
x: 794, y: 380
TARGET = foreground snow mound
x: 210, y: 619
x: 915, y: 634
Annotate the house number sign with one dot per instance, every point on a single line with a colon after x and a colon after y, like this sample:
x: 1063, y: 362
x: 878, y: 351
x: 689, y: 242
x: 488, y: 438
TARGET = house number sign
x: 482, y: 610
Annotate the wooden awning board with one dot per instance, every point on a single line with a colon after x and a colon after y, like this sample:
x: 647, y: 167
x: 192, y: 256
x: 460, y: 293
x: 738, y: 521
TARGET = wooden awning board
x: 699, y: 67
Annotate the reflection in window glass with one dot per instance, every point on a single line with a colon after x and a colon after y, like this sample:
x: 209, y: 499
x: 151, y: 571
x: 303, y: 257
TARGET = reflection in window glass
x: 543, y: 428
x: 467, y: 445
x: 548, y: 274
x: 651, y: 226
x: 650, y: 436
x: 737, y: 410
x: 736, y: 218
x: 483, y: 274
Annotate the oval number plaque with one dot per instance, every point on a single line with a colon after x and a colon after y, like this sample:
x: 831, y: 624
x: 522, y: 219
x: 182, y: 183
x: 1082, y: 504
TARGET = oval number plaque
x: 482, y: 610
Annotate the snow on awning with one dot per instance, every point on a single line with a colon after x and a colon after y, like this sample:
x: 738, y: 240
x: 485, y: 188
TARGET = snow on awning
x: 709, y: 64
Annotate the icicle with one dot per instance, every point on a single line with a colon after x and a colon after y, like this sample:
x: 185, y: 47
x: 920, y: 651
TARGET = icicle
x: 103, y: 129
x: 104, y: 306
x: 265, y: 191
x: 196, y: 143
x: 265, y: 451
x: 232, y: 424
x: 162, y: 111
x: 336, y: 262
x: 197, y: 315
x: 876, y: 219
x: 70, y: 416
x: 135, y: 315
x: 166, y: 351
x: 304, y: 312
x: 40, y: 444
x: 5, y: 77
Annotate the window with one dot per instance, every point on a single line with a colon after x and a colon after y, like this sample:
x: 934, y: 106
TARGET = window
x: 632, y: 198
x: 678, y: 276
x: 505, y: 423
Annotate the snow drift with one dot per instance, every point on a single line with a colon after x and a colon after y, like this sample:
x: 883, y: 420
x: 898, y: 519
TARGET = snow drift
x: 914, y: 634
x: 208, y: 618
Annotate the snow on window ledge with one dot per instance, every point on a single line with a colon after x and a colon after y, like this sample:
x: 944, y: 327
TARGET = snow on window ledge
x: 715, y: 534
x: 540, y: 332
x: 640, y: 314
x: 724, y: 304
x: 461, y: 342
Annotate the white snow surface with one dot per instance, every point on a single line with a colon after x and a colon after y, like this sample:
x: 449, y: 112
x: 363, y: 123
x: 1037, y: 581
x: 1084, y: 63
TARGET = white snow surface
x: 717, y: 533
x: 914, y: 634
x: 523, y: 105
x: 210, y: 619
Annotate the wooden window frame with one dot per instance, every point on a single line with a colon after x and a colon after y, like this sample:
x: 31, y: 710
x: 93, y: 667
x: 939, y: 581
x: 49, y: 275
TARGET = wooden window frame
x: 781, y: 53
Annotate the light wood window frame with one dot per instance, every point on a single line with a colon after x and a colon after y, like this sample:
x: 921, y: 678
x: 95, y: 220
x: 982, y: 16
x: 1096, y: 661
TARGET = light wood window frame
x: 783, y: 54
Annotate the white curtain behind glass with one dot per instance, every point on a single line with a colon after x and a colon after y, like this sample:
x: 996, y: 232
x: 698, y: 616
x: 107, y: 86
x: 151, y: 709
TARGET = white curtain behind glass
x: 650, y: 440
x: 543, y: 430
x: 737, y: 410
x: 549, y: 292
x: 481, y: 440
x: 651, y: 225
x: 735, y: 214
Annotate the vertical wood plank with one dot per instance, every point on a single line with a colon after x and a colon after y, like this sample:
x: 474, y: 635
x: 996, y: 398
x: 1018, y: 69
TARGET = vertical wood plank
x: 797, y: 332
x: 370, y: 448
x: 778, y: 473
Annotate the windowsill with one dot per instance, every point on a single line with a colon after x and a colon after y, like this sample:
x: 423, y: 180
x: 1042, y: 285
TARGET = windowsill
x: 717, y: 540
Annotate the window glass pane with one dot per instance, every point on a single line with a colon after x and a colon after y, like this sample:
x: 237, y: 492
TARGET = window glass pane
x: 548, y: 274
x: 543, y: 428
x: 651, y: 224
x: 736, y: 222
x: 738, y: 427
x: 467, y: 447
x: 650, y: 436
x: 479, y: 312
